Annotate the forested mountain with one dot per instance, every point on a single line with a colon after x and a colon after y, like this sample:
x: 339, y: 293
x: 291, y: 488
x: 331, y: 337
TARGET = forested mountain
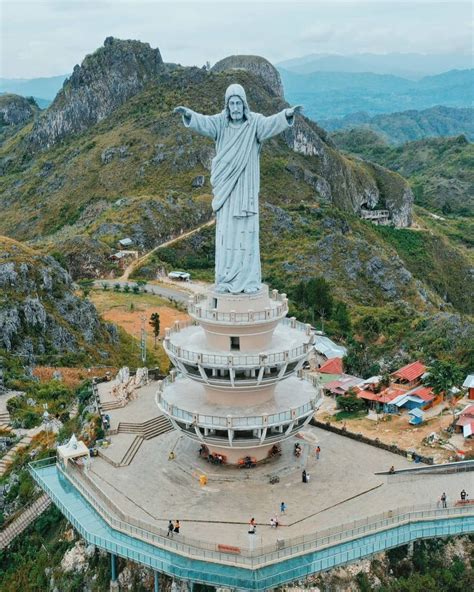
x: 405, y: 126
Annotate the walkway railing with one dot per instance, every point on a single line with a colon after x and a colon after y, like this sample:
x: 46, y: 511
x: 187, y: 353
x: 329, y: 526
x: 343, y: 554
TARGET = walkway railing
x: 245, y: 557
x: 232, y: 421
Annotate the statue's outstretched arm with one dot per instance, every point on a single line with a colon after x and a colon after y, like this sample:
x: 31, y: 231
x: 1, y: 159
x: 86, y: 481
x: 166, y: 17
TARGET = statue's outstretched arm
x: 206, y: 125
x: 267, y: 127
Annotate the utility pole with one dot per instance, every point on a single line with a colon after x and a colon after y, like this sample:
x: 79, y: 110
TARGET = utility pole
x: 143, y: 339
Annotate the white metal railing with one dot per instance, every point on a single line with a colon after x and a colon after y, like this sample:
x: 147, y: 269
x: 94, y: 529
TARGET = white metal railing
x: 198, y: 309
x: 258, y: 556
x: 235, y: 360
x: 211, y: 421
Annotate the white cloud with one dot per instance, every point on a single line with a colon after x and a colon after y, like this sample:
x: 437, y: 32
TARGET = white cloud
x: 47, y: 37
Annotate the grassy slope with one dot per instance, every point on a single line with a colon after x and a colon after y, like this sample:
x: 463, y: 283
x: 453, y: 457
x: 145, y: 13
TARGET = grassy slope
x: 440, y: 170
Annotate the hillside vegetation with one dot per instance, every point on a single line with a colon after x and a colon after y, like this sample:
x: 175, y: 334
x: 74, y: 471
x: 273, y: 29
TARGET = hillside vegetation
x: 132, y: 172
x: 440, y: 170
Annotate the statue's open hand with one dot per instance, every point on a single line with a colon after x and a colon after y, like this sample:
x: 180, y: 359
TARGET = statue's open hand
x: 182, y: 111
x: 294, y: 110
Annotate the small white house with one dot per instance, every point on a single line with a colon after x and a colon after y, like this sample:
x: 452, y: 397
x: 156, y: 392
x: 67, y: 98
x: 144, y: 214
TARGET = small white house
x: 125, y: 242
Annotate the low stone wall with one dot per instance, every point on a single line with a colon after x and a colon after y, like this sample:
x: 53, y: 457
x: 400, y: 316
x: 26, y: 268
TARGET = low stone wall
x: 372, y: 442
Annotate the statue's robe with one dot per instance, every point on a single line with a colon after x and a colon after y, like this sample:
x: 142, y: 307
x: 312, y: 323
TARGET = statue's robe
x: 235, y: 179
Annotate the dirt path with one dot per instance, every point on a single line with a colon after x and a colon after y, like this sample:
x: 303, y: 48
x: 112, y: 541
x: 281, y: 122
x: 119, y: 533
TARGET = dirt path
x: 137, y: 262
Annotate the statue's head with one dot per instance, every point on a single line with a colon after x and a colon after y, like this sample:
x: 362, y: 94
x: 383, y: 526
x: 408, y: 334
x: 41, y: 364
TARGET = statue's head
x: 236, y: 103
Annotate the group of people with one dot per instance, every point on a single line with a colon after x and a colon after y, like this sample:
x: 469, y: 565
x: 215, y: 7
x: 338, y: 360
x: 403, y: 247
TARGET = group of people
x: 274, y: 522
x: 444, y: 498
x: 173, y: 527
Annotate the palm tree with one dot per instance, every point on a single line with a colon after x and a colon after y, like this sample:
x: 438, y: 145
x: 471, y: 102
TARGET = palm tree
x: 442, y: 376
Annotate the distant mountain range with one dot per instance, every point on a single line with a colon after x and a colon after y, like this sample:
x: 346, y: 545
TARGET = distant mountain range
x: 407, y: 65
x: 43, y: 90
x: 405, y: 126
x: 327, y: 95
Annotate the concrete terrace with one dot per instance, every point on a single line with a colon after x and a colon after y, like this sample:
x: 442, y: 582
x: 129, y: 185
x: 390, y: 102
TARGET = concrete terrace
x: 343, y: 487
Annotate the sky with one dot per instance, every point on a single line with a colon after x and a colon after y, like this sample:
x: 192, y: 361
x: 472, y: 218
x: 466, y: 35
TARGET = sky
x: 48, y: 37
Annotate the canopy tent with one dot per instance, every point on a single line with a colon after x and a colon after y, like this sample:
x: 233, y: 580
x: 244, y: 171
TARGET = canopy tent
x: 72, y: 450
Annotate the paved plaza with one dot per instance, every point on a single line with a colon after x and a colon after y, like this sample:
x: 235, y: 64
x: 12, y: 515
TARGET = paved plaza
x: 343, y: 487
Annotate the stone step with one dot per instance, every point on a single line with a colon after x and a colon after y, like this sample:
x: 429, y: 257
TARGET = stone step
x: 132, y: 451
x: 110, y: 405
x: 149, y: 429
x: 4, y: 417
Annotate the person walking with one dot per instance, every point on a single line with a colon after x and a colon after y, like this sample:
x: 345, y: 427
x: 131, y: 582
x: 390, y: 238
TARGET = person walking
x: 170, y: 529
x: 443, y: 500
x: 303, y: 476
x: 318, y: 452
x: 282, y: 507
x: 177, y: 526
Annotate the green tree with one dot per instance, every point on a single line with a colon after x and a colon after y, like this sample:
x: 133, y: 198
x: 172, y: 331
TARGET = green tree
x: 126, y: 288
x: 350, y: 403
x: 136, y: 288
x: 342, y: 318
x: 319, y: 298
x: 155, y: 323
x: 117, y: 287
x: 442, y: 377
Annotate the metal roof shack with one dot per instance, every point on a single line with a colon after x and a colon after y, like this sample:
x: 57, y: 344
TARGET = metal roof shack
x: 328, y: 348
x: 125, y: 242
x: 385, y: 396
x: 410, y: 372
x: 342, y: 384
x: 469, y: 382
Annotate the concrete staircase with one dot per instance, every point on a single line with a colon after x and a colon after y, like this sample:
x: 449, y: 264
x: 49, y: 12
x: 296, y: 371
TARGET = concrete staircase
x: 4, y: 421
x: 7, y: 460
x: 109, y: 405
x: 148, y: 429
x: 27, y: 516
x: 131, y: 452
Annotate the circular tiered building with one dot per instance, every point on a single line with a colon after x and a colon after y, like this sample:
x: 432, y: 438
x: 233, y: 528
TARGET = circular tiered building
x: 237, y: 387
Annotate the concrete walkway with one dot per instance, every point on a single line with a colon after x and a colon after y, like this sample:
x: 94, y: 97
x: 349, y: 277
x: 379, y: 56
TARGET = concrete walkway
x: 22, y: 521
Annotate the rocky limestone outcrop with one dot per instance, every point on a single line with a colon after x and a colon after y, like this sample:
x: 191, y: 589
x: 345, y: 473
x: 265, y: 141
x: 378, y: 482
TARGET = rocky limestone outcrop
x: 39, y: 312
x: 256, y: 65
x: 104, y: 81
x: 16, y: 110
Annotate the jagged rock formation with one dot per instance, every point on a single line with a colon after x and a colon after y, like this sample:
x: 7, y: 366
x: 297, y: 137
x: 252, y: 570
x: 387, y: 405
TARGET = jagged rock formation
x: 106, y: 79
x: 39, y: 312
x: 256, y: 65
x: 16, y: 110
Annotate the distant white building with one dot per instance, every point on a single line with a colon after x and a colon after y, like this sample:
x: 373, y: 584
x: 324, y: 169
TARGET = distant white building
x: 179, y: 275
x: 125, y: 242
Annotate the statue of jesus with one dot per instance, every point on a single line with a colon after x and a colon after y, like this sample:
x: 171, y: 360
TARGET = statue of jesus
x: 235, y: 179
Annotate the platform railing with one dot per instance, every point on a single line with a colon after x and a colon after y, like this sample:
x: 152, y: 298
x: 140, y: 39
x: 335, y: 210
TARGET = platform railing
x: 236, y: 360
x: 234, y: 422
x: 198, y: 310
x: 260, y: 555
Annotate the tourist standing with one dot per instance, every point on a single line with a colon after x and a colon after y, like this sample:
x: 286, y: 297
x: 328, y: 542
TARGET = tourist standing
x: 303, y: 476
x: 282, y: 507
x: 318, y: 452
x: 463, y: 495
x: 170, y: 529
x: 443, y: 500
x: 177, y: 526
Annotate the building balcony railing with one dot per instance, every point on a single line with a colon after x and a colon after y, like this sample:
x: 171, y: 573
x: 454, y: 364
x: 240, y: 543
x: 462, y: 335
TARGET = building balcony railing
x: 198, y: 309
x: 233, y: 422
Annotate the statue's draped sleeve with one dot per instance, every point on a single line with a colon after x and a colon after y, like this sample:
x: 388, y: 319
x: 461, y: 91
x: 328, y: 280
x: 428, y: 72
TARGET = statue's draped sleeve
x: 206, y: 125
x: 267, y: 127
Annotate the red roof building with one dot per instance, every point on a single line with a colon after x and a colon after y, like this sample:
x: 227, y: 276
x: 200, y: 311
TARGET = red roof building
x: 385, y: 396
x: 410, y: 373
x: 332, y: 366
